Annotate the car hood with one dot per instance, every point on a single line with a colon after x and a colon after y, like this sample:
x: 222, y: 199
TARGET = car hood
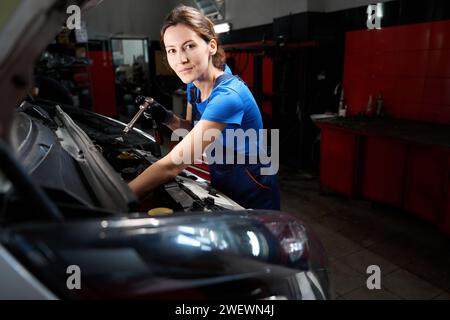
x: 26, y: 28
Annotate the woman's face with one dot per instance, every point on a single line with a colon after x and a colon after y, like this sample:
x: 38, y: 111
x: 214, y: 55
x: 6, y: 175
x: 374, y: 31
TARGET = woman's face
x: 187, y: 53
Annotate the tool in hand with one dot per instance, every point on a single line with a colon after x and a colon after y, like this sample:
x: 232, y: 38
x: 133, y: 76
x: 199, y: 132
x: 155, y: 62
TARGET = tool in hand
x: 144, y: 104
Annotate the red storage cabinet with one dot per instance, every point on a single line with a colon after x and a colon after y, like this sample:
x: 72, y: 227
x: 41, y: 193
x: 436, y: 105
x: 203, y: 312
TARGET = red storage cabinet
x: 338, y: 160
x: 388, y: 162
x: 427, y: 179
x: 446, y: 225
x: 446, y: 217
x: 103, y: 88
x: 383, y: 170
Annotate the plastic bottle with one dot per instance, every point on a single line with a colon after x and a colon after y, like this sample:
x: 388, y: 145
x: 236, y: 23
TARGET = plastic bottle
x: 380, y: 105
x: 341, y: 109
x: 369, y: 107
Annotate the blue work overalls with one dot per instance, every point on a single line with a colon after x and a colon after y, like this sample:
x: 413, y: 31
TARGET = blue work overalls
x: 241, y: 182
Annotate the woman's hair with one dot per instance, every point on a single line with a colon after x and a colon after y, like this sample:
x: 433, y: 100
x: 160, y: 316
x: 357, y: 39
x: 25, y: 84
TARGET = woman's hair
x: 195, y: 20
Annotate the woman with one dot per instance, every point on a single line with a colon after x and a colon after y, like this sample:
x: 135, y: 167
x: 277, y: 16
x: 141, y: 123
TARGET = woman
x: 218, y: 101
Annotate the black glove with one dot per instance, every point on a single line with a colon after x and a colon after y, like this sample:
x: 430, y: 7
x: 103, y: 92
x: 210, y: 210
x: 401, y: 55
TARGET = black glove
x: 156, y: 111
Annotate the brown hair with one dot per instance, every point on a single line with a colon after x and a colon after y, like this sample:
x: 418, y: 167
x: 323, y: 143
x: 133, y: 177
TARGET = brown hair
x: 201, y: 24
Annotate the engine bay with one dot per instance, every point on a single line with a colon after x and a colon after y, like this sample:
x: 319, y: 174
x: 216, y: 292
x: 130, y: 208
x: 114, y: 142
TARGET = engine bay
x: 129, y: 155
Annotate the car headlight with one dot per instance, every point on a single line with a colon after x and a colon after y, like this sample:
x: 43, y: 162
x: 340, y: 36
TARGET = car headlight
x: 290, y: 233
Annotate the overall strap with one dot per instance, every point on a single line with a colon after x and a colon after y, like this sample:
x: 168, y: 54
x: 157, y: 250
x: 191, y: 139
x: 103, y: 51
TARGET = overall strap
x: 193, y: 102
x: 221, y: 78
x: 193, y: 95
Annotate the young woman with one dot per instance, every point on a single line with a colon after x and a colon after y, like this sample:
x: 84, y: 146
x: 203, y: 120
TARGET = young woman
x: 218, y: 102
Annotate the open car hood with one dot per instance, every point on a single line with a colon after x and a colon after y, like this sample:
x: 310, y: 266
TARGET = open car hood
x: 26, y: 28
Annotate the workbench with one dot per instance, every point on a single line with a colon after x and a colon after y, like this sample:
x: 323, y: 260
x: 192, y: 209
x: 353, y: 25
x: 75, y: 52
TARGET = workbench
x: 397, y: 162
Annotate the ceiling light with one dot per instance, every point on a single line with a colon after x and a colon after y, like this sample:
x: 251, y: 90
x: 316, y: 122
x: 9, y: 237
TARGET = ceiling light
x: 222, y: 27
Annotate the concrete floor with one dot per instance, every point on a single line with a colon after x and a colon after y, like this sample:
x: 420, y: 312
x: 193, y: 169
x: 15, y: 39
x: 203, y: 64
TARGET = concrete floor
x: 414, y: 256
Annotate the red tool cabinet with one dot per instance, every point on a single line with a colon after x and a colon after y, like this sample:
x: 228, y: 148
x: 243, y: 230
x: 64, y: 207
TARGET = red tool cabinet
x: 392, y: 166
x: 383, y: 170
x: 338, y: 150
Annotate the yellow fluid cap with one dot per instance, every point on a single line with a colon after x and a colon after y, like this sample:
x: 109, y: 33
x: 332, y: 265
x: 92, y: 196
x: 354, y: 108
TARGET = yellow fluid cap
x: 156, y: 211
x: 126, y: 156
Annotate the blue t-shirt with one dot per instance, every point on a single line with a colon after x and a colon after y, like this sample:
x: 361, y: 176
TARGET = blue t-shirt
x: 232, y: 103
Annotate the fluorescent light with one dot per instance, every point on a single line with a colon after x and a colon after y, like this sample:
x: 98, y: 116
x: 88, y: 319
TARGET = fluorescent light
x: 221, y: 28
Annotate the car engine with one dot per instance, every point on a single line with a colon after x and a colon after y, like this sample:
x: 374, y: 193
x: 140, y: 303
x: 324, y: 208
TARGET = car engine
x: 128, y: 155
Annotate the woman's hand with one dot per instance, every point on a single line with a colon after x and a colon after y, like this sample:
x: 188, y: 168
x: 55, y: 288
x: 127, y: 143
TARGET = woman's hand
x: 177, y: 122
x: 158, y: 113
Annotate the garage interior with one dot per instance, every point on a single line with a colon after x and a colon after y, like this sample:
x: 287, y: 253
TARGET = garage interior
x: 360, y: 93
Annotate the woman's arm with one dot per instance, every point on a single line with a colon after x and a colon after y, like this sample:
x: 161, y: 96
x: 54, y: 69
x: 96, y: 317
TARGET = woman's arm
x: 182, y: 123
x: 181, y: 156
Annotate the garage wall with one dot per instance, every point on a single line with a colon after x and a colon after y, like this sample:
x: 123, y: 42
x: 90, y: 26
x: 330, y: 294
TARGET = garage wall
x: 336, y: 5
x: 125, y: 17
x: 250, y: 13
x: 409, y: 64
x: 128, y: 17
